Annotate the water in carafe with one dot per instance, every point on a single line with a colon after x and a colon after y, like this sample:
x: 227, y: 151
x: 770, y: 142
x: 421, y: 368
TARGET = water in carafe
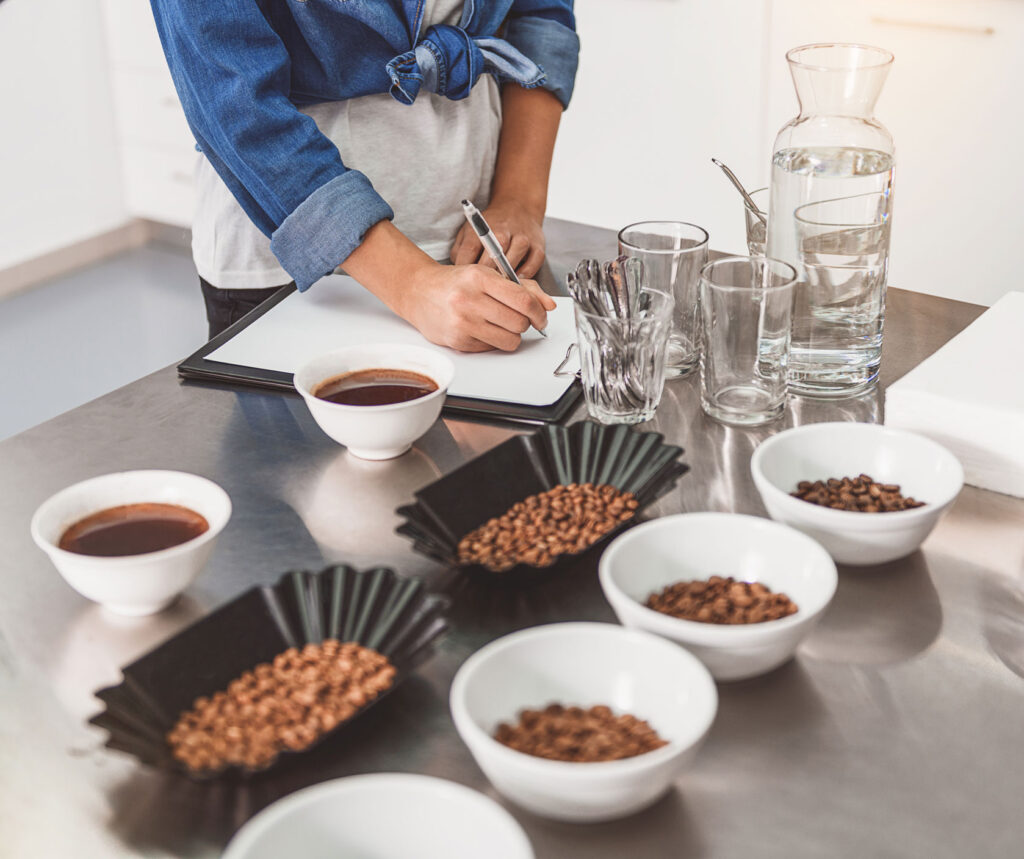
x: 814, y: 174
x: 834, y: 150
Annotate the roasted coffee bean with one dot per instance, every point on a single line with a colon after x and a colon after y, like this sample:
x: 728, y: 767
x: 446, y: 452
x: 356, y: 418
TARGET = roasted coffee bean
x: 574, y: 734
x: 858, y: 494
x: 285, y: 704
x: 721, y: 600
x: 539, y: 528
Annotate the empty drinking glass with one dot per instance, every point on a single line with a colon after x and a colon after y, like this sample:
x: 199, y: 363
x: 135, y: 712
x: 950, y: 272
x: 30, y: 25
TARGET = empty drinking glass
x: 622, y: 360
x: 746, y: 307
x: 839, y: 312
x: 673, y: 253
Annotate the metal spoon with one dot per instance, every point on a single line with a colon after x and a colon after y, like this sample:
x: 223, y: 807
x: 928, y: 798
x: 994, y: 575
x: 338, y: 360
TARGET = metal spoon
x: 739, y: 187
x: 601, y: 291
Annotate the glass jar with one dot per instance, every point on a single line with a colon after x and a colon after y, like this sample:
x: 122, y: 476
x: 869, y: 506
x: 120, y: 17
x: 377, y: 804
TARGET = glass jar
x: 834, y: 149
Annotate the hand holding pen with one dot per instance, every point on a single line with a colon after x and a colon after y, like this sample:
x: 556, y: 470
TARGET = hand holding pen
x: 469, y: 308
x: 491, y: 245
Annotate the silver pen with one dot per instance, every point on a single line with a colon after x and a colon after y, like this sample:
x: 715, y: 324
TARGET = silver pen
x: 491, y: 245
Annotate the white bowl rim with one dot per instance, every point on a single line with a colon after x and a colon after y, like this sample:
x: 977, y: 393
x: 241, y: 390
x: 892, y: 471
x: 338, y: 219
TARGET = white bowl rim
x: 256, y: 826
x: 672, y: 749
x: 746, y: 631
x: 889, y: 520
x: 55, y: 551
x: 345, y: 351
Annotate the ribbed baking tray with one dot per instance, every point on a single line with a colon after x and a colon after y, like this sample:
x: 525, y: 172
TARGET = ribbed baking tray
x: 585, y: 452
x: 375, y: 608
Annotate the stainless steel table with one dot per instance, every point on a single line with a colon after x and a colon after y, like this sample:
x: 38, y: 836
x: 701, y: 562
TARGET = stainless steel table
x: 897, y: 731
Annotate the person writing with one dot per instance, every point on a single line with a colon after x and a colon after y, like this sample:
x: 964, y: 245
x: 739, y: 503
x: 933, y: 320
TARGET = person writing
x: 345, y: 133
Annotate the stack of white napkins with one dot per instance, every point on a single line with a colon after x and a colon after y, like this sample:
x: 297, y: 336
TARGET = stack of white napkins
x: 969, y: 396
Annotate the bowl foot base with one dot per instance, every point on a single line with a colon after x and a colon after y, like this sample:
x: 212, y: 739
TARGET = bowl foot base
x: 140, y: 610
x: 374, y: 455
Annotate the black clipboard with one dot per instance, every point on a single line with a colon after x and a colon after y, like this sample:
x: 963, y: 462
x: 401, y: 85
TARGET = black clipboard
x: 197, y: 367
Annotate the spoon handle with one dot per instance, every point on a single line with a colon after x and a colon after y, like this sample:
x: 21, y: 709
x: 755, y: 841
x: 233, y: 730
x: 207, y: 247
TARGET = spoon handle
x: 739, y: 187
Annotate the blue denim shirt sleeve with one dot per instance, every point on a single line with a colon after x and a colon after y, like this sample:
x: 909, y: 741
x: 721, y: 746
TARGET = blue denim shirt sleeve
x: 232, y: 73
x: 545, y: 31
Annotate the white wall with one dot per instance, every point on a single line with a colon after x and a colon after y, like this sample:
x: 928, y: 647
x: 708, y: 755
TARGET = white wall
x: 59, y: 176
x: 663, y: 86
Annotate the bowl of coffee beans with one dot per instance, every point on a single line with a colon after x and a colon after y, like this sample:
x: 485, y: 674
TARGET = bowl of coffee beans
x: 869, y: 494
x: 739, y: 592
x: 273, y: 672
x: 582, y: 721
x: 538, y: 500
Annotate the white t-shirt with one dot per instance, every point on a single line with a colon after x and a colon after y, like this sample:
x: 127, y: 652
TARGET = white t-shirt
x: 423, y: 159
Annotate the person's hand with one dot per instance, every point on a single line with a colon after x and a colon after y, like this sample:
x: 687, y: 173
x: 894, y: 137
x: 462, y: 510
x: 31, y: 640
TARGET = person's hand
x: 472, y: 308
x: 516, y: 228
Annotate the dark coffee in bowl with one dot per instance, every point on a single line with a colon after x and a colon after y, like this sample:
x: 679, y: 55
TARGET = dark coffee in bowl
x: 376, y: 387
x: 133, y: 529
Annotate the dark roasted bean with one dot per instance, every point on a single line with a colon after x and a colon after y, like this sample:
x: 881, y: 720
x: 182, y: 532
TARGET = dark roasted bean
x: 858, y: 494
x: 721, y: 600
x: 579, y: 735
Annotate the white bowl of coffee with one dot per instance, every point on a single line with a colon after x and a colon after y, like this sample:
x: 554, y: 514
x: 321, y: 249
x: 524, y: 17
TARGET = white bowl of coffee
x: 134, y: 540
x: 376, y: 399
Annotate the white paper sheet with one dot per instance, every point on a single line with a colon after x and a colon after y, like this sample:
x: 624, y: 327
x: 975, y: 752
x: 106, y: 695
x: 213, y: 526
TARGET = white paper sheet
x: 969, y: 396
x: 338, y: 312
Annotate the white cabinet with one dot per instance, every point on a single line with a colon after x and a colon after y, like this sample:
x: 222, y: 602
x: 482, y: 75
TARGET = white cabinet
x: 158, y: 155
x: 60, y: 183
x: 954, y: 105
x: 149, y: 113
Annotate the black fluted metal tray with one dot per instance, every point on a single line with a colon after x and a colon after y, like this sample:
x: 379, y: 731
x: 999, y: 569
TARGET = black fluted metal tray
x: 375, y: 608
x: 585, y: 452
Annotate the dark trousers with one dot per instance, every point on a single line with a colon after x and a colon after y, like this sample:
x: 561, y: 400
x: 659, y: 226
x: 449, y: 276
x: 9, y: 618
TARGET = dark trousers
x: 225, y: 307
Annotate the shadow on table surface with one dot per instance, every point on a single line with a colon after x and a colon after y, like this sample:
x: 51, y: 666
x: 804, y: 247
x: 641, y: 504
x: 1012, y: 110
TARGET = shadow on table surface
x: 880, y: 615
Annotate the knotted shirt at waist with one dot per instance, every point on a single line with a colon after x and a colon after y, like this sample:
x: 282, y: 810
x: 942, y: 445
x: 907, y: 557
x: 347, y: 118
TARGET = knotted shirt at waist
x: 448, y: 61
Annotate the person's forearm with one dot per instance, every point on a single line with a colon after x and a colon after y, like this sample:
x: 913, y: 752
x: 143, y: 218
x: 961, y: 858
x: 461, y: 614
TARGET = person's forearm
x: 529, y: 125
x: 470, y: 308
x: 386, y: 263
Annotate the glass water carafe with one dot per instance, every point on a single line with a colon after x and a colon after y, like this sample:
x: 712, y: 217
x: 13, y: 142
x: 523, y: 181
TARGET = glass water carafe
x: 834, y: 149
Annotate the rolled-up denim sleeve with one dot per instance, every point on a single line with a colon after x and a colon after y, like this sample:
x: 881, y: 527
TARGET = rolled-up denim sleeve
x: 232, y: 74
x: 545, y: 31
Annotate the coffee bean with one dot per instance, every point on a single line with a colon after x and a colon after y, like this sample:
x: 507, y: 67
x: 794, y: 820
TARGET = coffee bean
x: 721, y: 600
x: 579, y: 735
x: 858, y: 494
x: 542, y: 527
x: 284, y: 704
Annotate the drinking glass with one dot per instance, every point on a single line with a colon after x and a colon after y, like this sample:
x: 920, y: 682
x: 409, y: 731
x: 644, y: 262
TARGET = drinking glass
x: 622, y: 360
x: 673, y: 253
x: 756, y: 231
x: 746, y: 308
x: 839, y: 313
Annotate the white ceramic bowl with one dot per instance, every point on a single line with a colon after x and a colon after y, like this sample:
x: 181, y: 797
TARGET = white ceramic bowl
x: 922, y: 468
x: 376, y: 432
x: 132, y: 584
x: 694, y: 546
x: 583, y: 664
x: 382, y: 816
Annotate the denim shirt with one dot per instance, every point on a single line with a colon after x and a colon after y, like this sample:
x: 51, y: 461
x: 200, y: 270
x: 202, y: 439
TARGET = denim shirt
x: 241, y: 67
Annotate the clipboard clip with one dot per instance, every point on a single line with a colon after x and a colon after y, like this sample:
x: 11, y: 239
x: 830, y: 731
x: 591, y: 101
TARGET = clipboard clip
x: 560, y: 370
